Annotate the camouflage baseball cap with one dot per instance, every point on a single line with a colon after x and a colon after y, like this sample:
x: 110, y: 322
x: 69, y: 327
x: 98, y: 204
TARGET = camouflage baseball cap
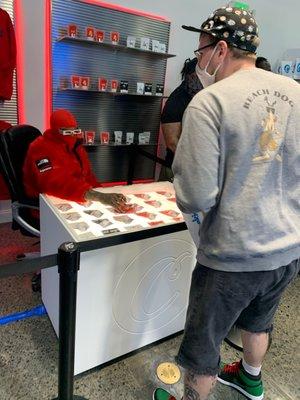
x: 236, y: 26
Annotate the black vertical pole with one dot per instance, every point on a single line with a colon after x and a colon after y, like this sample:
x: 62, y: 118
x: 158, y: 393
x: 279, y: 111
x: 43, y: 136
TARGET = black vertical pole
x: 68, y: 266
x: 131, y: 165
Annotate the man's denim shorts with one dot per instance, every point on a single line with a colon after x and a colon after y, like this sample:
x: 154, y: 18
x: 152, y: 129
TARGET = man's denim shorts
x: 218, y: 300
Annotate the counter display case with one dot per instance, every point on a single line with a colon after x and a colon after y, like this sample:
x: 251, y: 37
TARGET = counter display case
x: 130, y: 294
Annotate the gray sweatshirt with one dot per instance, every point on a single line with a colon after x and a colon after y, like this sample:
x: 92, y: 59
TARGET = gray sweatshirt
x: 238, y: 161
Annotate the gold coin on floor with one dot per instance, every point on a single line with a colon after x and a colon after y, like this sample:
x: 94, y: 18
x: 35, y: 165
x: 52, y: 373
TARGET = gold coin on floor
x: 168, y: 373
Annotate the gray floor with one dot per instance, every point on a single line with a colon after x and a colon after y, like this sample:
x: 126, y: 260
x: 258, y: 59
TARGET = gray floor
x: 28, y: 357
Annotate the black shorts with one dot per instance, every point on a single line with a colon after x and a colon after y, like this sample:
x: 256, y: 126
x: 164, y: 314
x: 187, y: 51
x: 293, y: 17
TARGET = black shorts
x: 218, y: 300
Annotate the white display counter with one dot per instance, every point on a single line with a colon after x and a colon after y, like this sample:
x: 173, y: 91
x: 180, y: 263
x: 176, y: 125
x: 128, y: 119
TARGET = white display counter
x: 128, y: 295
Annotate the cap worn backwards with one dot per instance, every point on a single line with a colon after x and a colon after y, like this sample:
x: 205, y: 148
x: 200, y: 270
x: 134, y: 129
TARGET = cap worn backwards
x: 234, y: 25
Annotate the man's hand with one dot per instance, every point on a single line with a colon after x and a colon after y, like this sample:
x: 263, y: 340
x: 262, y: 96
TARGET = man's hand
x: 117, y: 201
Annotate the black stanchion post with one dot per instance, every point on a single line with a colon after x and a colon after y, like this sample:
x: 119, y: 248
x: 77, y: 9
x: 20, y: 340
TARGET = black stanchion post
x: 131, y: 164
x: 68, y: 266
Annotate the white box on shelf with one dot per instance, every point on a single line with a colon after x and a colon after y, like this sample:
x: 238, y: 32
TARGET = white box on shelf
x: 131, y: 40
x: 286, y: 68
x: 155, y: 46
x: 144, y: 138
x: 145, y: 43
x: 297, y: 69
x: 162, y: 48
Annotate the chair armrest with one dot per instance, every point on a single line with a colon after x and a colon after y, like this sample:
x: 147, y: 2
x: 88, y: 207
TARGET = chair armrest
x: 15, y: 207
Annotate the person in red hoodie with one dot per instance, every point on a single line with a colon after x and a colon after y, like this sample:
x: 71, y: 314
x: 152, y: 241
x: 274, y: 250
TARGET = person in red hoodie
x: 57, y: 164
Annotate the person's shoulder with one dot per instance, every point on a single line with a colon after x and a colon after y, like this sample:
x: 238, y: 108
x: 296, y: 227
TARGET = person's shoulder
x: 179, y: 91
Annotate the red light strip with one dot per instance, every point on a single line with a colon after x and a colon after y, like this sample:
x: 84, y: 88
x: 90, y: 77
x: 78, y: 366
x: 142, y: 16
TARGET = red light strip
x: 126, y: 10
x: 19, y: 31
x: 48, y: 66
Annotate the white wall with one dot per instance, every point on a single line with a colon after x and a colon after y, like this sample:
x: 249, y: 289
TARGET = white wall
x: 278, y: 22
x: 34, y: 60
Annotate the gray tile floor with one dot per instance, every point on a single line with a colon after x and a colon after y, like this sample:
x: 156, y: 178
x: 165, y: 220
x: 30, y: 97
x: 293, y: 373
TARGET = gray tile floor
x: 28, y: 357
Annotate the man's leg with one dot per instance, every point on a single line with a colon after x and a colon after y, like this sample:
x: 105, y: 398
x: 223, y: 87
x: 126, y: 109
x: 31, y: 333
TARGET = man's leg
x: 255, y: 346
x: 198, y: 387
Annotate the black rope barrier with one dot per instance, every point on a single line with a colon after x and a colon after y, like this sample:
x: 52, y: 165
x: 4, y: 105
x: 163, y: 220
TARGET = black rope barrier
x: 28, y: 265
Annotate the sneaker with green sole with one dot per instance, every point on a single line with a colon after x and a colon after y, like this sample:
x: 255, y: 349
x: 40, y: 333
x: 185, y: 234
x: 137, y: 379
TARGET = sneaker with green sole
x: 162, y: 394
x: 235, y: 376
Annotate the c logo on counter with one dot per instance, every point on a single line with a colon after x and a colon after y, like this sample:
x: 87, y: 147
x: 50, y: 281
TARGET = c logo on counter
x: 152, y: 291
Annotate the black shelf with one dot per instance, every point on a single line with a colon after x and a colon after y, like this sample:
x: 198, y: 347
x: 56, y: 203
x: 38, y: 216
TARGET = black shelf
x: 111, y: 93
x: 118, y: 47
x: 97, y: 144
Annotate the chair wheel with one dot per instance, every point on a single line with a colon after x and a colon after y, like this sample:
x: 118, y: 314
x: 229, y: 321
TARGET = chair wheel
x: 36, y: 283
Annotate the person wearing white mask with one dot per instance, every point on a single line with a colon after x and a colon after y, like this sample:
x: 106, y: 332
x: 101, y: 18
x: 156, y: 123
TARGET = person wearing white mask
x: 238, y: 162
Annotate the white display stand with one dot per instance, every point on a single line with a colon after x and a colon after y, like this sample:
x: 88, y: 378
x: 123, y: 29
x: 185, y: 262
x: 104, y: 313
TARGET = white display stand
x: 129, y: 295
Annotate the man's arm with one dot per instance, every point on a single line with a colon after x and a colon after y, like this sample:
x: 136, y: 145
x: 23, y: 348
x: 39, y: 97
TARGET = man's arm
x: 171, y: 132
x: 196, y: 163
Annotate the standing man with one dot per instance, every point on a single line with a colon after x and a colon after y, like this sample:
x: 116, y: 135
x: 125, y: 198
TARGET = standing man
x: 238, y: 161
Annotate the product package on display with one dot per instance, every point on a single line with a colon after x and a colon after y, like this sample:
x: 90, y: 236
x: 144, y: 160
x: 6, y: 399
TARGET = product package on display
x: 124, y: 87
x: 90, y: 33
x: 100, y: 36
x: 148, y: 89
x: 89, y: 137
x: 115, y: 37
x: 146, y: 209
x: 72, y: 30
x: 131, y: 40
x: 104, y: 137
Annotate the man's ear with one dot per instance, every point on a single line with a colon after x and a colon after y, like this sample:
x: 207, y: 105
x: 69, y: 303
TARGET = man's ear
x: 223, y: 49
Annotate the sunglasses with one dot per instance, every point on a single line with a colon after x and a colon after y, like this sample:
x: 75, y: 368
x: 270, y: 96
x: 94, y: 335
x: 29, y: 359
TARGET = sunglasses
x: 68, y: 131
x: 198, y: 52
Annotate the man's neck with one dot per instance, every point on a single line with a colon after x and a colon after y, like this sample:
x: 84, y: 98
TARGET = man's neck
x: 235, y: 66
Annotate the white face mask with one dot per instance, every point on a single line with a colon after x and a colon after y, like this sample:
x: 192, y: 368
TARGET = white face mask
x: 204, y: 76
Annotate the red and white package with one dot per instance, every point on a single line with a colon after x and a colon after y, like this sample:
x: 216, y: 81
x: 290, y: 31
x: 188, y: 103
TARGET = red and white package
x: 166, y: 194
x: 104, y: 137
x: 155, y: 223
x: 100, y: 35
x: 115, y: 37
x: 134, y: 208
x: 143, y: 196
x: 85, y: 82
x: 153, y: 203
x: 90, y: 33
x: 72, y: 30
x: 114, y: 85
x: 75, y: 81
x: 89, y: 137
x: 102, y: 84
x: 170, y: 213
x: 147, y: 215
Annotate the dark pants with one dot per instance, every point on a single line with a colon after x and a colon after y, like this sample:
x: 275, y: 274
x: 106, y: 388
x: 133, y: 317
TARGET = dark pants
x: 218, y: 300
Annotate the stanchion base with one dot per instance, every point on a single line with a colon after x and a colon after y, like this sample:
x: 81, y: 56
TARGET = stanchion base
x: 74, y: 398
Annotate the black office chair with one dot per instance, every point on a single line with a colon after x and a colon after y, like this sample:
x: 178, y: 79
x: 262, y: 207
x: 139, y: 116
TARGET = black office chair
x: 14, y: 143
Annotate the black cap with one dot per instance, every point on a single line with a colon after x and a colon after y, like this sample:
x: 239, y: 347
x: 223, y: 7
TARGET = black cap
x: 234, y: 25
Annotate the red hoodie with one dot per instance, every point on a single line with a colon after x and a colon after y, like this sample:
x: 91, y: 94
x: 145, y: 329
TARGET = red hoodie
x: 8, y: 55
x: 57, y: 165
